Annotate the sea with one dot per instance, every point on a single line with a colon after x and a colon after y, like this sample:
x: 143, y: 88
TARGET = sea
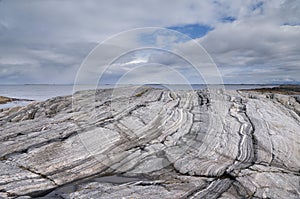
x: 41, y: 92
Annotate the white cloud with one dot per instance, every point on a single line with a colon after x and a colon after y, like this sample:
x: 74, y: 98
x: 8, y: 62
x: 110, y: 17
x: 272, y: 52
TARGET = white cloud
x: 259, y: 41
x: 54, y: 36
x: 94, y: 21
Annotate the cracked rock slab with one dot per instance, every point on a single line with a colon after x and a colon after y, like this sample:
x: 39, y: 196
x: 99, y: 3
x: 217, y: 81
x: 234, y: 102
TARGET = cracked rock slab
x: 209, y: 143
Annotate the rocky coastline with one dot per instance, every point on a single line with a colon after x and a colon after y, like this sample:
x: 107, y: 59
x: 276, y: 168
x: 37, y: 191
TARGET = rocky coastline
x: 4, y: 100
x: 143, y: 142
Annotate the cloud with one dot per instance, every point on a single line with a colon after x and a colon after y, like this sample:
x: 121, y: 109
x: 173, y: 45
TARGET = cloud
x: 258, y: 47
x: 41, y: 64
x: 251, y: 41
x: 94, y: 21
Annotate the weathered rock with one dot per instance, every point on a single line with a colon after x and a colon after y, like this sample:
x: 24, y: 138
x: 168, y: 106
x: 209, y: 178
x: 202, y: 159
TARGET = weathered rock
x: 4, y: 100
x: 167, y: 144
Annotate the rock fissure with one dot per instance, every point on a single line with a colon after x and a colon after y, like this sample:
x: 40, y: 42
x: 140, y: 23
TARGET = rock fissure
x: 180, y: 139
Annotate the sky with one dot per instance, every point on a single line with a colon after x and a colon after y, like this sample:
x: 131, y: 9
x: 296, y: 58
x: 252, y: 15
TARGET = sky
x: 249, y: 41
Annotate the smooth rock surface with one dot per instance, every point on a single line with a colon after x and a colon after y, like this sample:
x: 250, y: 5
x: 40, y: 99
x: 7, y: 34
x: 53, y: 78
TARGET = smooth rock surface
x: 163, y: 144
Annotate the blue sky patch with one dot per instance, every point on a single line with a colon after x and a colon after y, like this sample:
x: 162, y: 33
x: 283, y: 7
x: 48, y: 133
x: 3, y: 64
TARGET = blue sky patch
x: 162, y: 38
x: 192, y: 30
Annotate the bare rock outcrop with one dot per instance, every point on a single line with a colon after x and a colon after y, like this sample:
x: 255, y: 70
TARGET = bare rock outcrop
x: 142, y: 142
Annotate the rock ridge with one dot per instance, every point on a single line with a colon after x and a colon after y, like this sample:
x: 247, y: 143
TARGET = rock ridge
x: 140, y: 142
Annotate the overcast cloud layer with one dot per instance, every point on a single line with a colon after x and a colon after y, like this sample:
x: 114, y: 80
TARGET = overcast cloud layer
x: 251, y: 41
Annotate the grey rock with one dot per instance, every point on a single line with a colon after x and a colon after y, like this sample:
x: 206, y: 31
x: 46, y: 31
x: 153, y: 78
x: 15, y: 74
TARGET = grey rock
x: 156, y: 143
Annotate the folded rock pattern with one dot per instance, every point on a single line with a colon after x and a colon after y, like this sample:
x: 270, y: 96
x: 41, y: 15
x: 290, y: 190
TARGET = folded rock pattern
x: 182, y: 144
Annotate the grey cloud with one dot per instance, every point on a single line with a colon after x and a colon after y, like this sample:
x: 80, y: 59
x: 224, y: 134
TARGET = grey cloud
x: 258, y: 48
x: 45, y: 41
x: 41, y: 64
x: 93, y: 21
x: 167, y: 58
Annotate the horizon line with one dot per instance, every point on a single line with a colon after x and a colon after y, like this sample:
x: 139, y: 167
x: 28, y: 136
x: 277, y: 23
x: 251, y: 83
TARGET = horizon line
x: 152, y: 84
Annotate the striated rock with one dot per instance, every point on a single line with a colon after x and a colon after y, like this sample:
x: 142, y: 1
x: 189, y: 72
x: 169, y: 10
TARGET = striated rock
x: 141, y: 142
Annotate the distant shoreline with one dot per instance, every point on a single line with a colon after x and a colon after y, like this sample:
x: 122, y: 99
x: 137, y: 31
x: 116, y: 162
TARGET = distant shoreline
x: 282, y: 89
x: 287, y: 89
x: 144, y: 84
x: 4, y: 100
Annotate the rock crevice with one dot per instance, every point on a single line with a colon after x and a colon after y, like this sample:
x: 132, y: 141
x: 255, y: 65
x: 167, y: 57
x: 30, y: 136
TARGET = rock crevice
x: 189, y: 144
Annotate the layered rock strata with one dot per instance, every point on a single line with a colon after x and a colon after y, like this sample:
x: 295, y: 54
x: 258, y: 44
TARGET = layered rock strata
x: 142, y: 142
